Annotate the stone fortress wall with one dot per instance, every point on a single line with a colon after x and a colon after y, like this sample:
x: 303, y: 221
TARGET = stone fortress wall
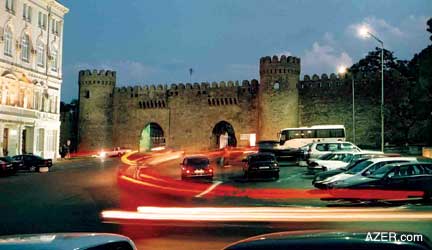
x: 187, y: 113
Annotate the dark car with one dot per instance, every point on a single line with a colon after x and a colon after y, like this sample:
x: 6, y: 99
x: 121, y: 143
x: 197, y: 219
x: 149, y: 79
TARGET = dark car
x: 16, y: 165
x: 196, y: 167
x: 333, y: 240
x: 281, y: 154
x: 408, y: 176
x: 32, y: 162
x: 6, y: 168
x: 261, y: 164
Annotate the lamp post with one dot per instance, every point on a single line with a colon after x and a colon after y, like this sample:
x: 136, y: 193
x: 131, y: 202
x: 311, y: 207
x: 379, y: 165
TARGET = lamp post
x: 364, y: 32
x: 343, y: 70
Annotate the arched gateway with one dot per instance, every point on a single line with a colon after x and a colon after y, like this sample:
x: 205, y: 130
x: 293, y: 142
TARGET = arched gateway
x: 223, y: 135
x: 151, y: 136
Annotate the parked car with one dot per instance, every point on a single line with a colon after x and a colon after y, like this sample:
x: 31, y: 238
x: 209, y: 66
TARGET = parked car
x: 16, y: 165
x: 303, y: 240
x: 281, y: 154
x: 261, y: 164
x: 342, y: 159
x: 32, y: 162
x: 316, y: 149
x: 360, y: 170
x: 115, y: 152
x: 196, y: 166
x: 6, y: 167
x: 409, y: 176
x: 66, y: 241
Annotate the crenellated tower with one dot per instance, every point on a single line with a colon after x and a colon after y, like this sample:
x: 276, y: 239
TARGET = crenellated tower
x: 95, y: 125
x: 278, y: 95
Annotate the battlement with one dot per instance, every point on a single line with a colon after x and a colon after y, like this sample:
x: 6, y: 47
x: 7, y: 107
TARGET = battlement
x: 95, y: 72
x: 283, y: 65
x: 187, y: 86
x: 102, y: 77
x: 282, y: 60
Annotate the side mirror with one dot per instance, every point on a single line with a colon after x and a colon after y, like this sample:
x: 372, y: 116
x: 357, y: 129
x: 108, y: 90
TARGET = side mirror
x: 367, y: 173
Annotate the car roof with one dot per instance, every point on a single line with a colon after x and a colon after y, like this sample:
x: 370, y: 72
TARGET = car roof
x: 196, y: 157
x: 332, y: 142
x: 316, y: 239
x: 384, y: 159
x: 261, y: 154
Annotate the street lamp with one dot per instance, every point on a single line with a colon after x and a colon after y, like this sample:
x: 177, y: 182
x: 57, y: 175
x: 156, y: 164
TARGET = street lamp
x: 342, y: 70
x: 365, y: 33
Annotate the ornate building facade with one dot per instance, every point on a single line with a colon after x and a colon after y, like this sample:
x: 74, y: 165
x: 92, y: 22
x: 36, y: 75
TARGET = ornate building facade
x: 31, y: 38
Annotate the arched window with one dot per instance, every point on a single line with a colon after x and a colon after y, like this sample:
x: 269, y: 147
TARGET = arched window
x: 8, y: 41
x: 40, y: 56
x: 25, y: 48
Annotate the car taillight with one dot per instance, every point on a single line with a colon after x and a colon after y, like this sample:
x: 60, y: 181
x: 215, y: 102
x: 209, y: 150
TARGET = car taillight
x: 210, y: 170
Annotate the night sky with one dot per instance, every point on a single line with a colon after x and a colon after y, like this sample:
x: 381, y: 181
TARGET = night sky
x: 152, y: 42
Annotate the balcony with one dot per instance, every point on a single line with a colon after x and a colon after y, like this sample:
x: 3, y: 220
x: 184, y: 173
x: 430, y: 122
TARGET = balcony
x: 27, y: 113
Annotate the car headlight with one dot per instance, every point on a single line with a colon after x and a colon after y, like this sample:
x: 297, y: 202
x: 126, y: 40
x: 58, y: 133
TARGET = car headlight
x: 102, y: 154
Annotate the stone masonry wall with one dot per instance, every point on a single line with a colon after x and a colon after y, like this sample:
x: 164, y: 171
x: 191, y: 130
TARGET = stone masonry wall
x: 328, y: 100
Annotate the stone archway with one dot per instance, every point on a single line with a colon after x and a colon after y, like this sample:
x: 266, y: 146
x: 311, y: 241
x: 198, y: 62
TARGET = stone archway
x: 223, y: 135
x: 151, y: 136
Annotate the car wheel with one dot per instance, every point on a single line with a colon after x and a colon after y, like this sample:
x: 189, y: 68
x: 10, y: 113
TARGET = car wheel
x: 32, y: 169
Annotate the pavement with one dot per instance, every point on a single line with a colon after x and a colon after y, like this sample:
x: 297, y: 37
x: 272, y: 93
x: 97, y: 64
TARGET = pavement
x: 72, y: 195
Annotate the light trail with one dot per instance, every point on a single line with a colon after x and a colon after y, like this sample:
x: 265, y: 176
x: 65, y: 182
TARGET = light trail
x: 208, y: 190
x: 264, y: 214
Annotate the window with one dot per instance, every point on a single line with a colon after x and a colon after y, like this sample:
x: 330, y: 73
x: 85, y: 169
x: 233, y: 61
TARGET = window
x: 87, y: 94
x: 42, y: 20
x: 55, y: 26
x: 27, y: 13
x: 10, y: 6
x: 40, y: 56
x: 8, y: 41
x: 54, y: 62
x: 25, y: 48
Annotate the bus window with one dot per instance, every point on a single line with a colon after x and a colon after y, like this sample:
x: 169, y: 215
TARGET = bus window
x: 323, y: 133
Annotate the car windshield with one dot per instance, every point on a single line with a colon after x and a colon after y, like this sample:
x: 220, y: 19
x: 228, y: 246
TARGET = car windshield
x: 345, y: 157
x: 268, y: 144
x: 197, y: 162
x: 255, y: 158
x: 6, y: 159
x: 359, y: 167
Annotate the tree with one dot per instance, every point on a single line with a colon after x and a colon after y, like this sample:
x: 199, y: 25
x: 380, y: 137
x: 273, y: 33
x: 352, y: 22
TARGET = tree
x: 402, y: 108
x: 372, y: 62
x: 429, y: 23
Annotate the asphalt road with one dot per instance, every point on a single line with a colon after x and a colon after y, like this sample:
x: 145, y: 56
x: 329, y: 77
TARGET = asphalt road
x: 71, y: 197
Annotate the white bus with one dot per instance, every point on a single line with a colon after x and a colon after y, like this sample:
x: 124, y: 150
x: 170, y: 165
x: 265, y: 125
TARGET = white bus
x: 299, y: 137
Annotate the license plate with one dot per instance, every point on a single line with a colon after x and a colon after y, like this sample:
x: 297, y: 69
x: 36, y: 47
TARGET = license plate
x: 199, y: 171
x: 264, y: 167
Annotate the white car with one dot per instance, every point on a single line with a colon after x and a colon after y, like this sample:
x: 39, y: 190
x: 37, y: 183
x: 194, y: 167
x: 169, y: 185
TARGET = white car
x: 117, y: 151
x: 340, y: 159
x: 317, y: 149
x: 360, y: 170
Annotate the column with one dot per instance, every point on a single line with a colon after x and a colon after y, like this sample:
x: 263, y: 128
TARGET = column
x: 20, y: 139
